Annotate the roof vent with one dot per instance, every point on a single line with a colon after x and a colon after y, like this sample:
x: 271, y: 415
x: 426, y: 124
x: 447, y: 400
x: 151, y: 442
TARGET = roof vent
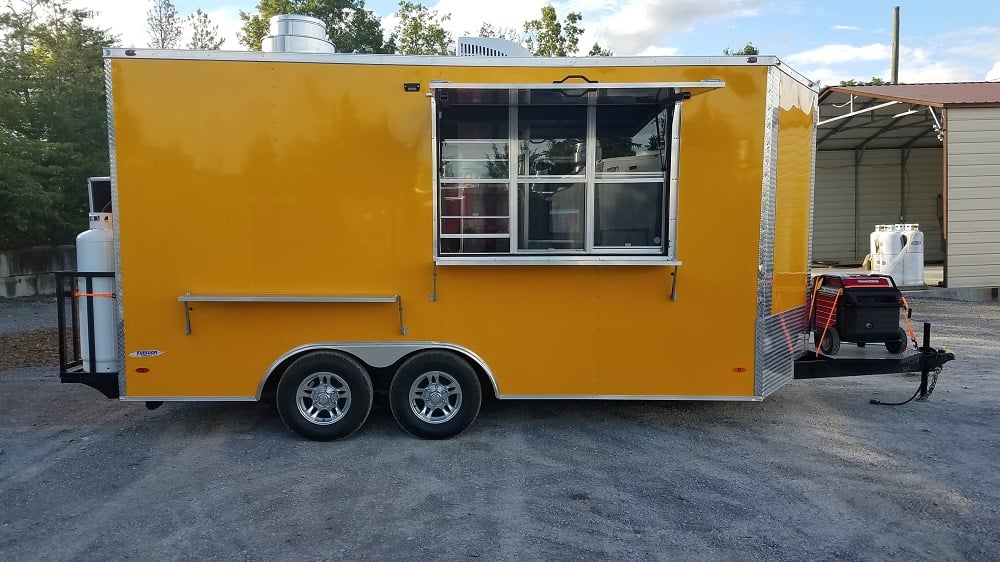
x: 294, y: 33
x: 489, y: 47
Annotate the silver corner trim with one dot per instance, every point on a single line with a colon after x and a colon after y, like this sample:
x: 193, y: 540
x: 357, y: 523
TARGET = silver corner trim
x: 378, y: 354
x: 797, y: 76
x: 115, y: 226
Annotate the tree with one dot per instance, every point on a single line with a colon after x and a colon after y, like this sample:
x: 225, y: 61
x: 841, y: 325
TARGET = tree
x: 505, y: 33
x: 163, y: 25
x: 204, y: 33
x: 349, y: 26
x: 547, y: 37
x: 875, y: 81
x: 748, y: 50
x: 598, y: 51
x: 53, y: 124
x: 420, y: 31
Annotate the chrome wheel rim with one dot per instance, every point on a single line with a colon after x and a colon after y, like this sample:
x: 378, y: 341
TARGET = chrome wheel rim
x: 323, y: 398
x: 435, y: 397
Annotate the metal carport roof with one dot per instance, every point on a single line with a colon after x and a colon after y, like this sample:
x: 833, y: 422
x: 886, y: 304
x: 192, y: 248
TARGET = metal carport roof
x: 894, y: 115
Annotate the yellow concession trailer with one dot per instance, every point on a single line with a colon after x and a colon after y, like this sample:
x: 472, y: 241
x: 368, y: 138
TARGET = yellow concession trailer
x: 324, y: 227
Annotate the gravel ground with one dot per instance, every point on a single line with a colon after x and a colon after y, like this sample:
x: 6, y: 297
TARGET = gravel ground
x: 27, y: 314
x: 814, y: 472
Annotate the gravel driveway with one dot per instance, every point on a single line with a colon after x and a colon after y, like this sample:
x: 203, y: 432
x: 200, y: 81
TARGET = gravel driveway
x: 812, y: 473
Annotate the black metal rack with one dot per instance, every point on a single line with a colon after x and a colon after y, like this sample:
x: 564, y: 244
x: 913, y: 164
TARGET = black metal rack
x: 71, y: 365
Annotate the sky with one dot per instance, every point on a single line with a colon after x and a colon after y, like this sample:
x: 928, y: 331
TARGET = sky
x: 827, y: 41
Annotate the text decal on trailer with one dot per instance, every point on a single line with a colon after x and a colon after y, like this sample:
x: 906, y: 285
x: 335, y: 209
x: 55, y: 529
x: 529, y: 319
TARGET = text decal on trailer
x: 146, y: 353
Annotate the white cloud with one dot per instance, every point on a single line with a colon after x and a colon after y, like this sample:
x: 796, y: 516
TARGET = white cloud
x: 127, y: 20
x: 994, y: 74
x: 658, y: 52
x: 633, y: 25
x: 467, y: 17
x: 845, y: 28
x: 841, y: 53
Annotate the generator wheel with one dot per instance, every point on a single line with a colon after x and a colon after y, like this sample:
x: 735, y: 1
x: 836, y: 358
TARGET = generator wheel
x: 831, y: 343
x: 899, y: 345
x: 435, y: 395
x: 324, y: 395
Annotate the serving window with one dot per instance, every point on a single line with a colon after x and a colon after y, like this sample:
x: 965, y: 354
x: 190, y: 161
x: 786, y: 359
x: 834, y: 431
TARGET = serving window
x: 556, y: 170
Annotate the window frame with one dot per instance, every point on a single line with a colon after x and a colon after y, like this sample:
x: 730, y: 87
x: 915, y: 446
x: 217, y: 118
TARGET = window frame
x: 664, y: 254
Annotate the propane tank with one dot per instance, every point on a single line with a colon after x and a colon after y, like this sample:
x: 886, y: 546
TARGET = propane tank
x: 95, y: 254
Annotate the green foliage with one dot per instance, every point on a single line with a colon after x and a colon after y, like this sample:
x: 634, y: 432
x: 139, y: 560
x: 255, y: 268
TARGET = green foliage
x: 53, y: 120
x: 875, y: 81
x: 204, y: 33
x: 506, y: 33
x: 547, y: 37
x: 163, y: 25
x: 748, y: 50
x: 598, y: 51
x: 420, y: 31
x: 349, y: 26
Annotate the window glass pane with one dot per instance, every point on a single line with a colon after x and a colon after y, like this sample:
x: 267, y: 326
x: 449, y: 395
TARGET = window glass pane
x: 552, y: 140
x: 631, y: 139
x: 552, y: 215
x: 475, y: 245
x: 628, y: 214
x: 486, y: 225
x: 474, y: 200
x: 474, y: 142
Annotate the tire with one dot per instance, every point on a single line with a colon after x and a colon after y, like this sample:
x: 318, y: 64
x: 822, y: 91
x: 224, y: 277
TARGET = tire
x: 324, y: 395
x: 831, y: 343
x: 451, y: 404
x: 899, y: 345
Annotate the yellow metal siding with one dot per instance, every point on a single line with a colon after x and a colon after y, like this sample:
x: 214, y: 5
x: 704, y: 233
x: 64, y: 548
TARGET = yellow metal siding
x: 316, y: 179
x: 791, y: 221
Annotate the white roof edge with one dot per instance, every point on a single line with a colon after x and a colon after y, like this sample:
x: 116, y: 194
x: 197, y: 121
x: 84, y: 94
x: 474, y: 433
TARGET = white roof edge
x: 421, y: 60
x: 800, y: 78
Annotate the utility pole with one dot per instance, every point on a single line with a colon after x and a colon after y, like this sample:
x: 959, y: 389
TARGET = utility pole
x: 895, y: 45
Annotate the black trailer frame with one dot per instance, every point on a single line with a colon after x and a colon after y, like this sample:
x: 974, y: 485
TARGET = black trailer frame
x: 71, y: 365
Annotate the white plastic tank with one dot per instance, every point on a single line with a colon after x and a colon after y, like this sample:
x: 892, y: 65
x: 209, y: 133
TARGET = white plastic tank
x: 911, y: 255
x: 885, y: 246
x: 898, y: 250
x: 95, y: 253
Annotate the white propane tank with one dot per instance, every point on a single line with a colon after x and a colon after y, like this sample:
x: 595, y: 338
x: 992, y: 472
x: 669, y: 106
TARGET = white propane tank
x: 95, y: 254
x: 885, y: 246
x: 911, y: 256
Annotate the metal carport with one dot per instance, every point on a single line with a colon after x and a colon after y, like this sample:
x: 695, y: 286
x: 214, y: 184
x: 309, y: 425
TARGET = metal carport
x: 885, y: 155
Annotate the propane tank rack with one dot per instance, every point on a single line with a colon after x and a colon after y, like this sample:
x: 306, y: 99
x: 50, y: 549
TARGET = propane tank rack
x: 72, y: 366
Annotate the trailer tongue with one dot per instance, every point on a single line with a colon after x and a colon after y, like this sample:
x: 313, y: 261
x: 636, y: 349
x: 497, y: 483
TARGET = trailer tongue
x: 927, y: 361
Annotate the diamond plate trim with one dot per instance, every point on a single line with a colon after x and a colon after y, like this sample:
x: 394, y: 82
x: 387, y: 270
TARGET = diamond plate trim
x: 769, y: 360
x: 113, y: 164
x: 783, y: 338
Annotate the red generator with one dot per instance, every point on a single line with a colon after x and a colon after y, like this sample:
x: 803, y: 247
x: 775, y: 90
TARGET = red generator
x: 856, y: 308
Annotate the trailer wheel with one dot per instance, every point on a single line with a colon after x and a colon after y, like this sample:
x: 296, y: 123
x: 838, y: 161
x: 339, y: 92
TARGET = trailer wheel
x: 899, y: 345
x: 324, y: 395
x: 831, y: 343
x: 435, y: 395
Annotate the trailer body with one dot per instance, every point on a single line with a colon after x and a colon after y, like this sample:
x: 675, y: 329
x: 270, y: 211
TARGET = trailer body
x: 267, y: 205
